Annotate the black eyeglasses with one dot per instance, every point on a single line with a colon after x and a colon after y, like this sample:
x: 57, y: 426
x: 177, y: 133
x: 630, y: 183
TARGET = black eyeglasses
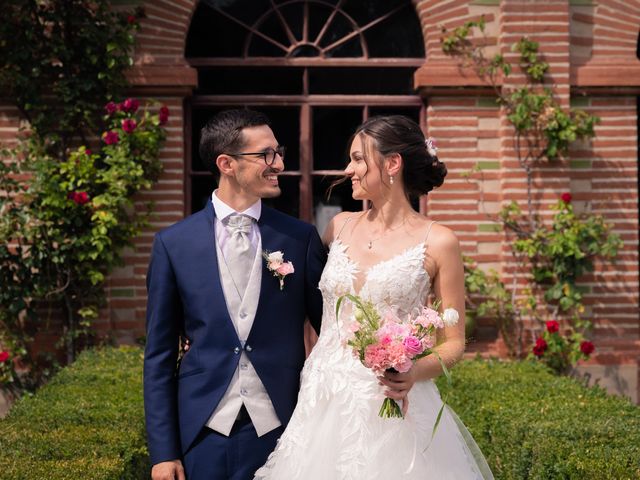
x: 268, y: 154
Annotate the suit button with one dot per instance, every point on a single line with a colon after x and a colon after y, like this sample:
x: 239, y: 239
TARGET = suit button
x: 248, y: 348
x: 243, y: 314
x: 243, y: 366
x: 243, y: 392
x: 236, y: 350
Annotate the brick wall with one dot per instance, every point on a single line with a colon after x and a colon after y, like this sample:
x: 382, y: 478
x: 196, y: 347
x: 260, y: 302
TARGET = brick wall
x: 591, y: 49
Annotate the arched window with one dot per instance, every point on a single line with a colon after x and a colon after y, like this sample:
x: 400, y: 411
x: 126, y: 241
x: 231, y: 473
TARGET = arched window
x: 318, y: 68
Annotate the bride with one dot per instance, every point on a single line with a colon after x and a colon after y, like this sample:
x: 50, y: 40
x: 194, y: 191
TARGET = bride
x: 391, y: 256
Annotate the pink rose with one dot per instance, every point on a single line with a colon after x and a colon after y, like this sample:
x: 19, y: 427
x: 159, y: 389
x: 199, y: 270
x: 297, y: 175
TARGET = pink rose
x: 129, y: 125
x: 412, y: 346
x: 4, y: 356
x: 566, y: 197
x: 110, y: 137
x: 392, y: 327
x: 285, y: 269
x: 163, y: 115
x: 87, y: 152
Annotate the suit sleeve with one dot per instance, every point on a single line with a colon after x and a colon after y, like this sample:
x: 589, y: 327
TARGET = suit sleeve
x: 316, y: 258
x: 164, y: 317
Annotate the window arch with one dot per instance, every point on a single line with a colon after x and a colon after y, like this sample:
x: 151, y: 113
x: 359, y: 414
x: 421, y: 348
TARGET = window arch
x: 318, y: 68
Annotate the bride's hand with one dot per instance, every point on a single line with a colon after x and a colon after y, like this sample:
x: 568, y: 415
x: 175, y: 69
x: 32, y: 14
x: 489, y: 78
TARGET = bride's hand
x: 398, y: 386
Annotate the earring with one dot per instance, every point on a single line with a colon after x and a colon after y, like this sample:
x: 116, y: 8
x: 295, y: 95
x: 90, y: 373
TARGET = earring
x: 391, y: 179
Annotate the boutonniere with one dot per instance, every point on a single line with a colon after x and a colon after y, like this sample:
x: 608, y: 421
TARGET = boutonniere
x: 277, y: 265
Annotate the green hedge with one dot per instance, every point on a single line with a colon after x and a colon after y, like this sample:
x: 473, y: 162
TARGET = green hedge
x: 531, y: 424
x: 87, y: 423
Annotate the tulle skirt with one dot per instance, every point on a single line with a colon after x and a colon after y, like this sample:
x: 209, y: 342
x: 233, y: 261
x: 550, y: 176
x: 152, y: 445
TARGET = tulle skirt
x: 335, y: 432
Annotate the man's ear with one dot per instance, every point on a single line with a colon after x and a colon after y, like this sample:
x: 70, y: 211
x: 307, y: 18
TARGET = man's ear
x: 393, y: 164
x: 224, y: 164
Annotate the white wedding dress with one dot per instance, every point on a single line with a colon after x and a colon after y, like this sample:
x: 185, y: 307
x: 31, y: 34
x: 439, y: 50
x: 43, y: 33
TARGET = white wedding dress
x: 335, y: 432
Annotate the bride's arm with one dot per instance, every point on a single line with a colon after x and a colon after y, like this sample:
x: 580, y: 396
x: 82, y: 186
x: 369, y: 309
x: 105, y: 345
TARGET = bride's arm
x: 448, y: 286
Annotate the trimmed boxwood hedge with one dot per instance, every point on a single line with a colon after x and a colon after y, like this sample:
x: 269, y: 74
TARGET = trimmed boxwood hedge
x: 531, y: 424
x: 87, y: 423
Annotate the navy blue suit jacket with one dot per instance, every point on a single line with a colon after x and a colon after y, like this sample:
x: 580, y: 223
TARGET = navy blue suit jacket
x: 185, y: 297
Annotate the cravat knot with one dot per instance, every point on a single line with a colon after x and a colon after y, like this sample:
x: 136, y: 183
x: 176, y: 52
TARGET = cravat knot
x: 239, y: 224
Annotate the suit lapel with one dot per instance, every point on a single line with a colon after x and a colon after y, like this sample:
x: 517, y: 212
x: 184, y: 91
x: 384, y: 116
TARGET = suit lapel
x: 272, y: 240
x: 214, y: 289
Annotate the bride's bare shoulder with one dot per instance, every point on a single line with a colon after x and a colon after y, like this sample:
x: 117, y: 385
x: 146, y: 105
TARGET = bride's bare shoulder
x: 443, y: 241
x: 335, y: 226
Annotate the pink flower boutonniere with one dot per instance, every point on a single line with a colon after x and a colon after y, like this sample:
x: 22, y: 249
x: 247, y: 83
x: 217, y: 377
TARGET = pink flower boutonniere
x: 277, y: 265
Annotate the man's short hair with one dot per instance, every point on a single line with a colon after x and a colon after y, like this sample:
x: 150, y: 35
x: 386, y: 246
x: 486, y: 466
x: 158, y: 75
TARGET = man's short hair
x: 223, y: 134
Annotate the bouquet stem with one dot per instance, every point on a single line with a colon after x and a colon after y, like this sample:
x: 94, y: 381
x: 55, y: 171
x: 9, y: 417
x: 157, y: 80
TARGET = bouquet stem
x: 390, y: 409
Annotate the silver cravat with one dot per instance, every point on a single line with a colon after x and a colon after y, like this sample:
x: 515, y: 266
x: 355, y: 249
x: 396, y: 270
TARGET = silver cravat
x: 239, y: 253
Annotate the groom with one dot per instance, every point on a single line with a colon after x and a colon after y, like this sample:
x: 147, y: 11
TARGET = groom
x: 219, y: 414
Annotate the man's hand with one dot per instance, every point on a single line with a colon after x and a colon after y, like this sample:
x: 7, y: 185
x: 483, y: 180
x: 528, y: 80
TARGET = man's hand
x: 171, y: 470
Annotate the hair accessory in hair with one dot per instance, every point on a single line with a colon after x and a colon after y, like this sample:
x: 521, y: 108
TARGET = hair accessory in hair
x: 431, y: 146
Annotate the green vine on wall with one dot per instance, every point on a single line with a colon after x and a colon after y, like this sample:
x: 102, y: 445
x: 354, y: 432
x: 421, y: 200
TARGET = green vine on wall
x: 67, y: 190
x: 558, y: 253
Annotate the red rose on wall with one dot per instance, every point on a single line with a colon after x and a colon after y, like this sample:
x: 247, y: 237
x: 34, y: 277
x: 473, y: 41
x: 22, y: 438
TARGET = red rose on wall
x: 111, y: 108
x: 566, y: 197
x: 163, y: 115
x: 540, y: 347
x: 129, y: 125
x: 4, y: 356
x: 553, y: 326
x: 130, y: 105
x: 78, y: 197
x: 110, y: 137
x: 587, y: 347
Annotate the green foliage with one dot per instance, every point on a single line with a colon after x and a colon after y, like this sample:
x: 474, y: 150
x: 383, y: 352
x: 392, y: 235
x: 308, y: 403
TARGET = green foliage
x: 61, y: 60
x: 488, y: 297
x: 71, y: 221
x: 531, y: 424
x: 87, y: 423
x: 560, y: 351
x: 538, y: 119
x: 68, y: 211
x: 560, y: 253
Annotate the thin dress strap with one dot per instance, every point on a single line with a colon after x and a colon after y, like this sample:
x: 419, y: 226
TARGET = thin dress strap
x: 428, y: 231
x: 344, y: 225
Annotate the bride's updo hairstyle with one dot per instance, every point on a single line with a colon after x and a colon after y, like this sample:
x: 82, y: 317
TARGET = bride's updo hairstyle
x: 422, y: 171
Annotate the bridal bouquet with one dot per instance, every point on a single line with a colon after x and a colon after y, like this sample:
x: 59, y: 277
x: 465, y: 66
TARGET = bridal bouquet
x: 383, y: 341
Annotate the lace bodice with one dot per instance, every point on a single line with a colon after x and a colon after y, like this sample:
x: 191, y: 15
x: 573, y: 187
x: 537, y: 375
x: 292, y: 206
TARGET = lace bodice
x: 401, y: 281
